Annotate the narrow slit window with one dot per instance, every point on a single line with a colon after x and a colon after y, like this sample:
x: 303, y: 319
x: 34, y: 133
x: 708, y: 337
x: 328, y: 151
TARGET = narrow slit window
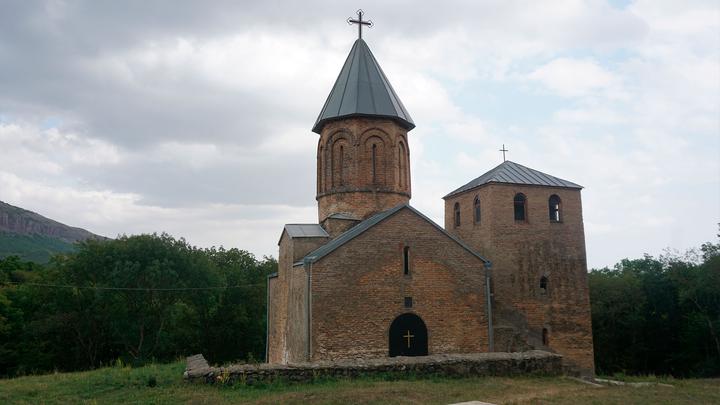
x: 342, y: 165
x: 333, y: 166
x: 476, y: 209
x: 456, y: 214
x: 319, y: 171
x: 400, y: 167
x: 374, y: 163
x: 543, y: 285
x: 554, y: 208
x: 520, y: 205
x: 408, y: 302
x: 406, y: 260
x: 545, y: 337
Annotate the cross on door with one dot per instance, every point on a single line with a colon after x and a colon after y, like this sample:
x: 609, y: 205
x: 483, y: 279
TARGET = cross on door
x: 408, y: 336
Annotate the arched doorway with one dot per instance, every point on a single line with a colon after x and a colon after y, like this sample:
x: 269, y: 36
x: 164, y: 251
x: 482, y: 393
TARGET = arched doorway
x: 408, y: 336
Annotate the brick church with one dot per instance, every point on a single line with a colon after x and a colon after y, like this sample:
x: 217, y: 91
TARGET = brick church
x: 375, y: 277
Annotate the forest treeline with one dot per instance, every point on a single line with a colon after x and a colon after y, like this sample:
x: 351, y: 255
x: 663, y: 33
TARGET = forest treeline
x: 658, y: 315
x: 136, y: 299
x: 156, y: 298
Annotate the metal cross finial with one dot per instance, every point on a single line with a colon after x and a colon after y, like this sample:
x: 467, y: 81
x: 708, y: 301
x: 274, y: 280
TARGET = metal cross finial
x: 503, y: 150
x: 360, y: 22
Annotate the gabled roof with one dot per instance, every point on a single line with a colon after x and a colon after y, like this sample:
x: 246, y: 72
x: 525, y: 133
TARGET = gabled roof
x: 514, y: 173
x: 306, y: 231
x: 362, y: 89
x: 363, y: 226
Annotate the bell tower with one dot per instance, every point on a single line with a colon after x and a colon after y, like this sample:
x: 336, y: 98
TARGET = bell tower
x: 363, y: 159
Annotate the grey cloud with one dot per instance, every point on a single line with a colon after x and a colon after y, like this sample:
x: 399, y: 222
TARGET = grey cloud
x: 47, y: 51
x: 270, y: 181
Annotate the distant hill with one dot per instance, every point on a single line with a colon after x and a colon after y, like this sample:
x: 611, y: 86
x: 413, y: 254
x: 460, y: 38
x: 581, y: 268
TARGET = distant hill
x: 34, y: 237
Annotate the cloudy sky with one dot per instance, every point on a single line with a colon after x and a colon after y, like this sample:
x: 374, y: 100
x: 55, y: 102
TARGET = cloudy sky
x: 194, y: 118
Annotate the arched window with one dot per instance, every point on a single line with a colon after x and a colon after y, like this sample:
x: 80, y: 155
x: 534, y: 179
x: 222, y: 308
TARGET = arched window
x: 543, y: 285
x: 373, y: 162
x: 456, y: 214
x: 476, y: 210
x: 402, y: 167
x: 520, y: 204
x: 554, y: 208
x: 545, y: 337
x: 338, y: 163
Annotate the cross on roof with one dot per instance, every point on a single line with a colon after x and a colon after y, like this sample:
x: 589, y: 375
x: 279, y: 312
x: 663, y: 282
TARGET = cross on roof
x: 503, y: 150
x: 360, y: 22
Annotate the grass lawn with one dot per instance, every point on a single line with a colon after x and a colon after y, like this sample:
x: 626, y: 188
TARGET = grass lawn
x: 130, y: 386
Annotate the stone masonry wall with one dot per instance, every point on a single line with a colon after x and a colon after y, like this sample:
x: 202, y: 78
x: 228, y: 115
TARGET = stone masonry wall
x: 522, y: 253
x: 363, y: 167
x: 450, y: 365
x: 359, y: 289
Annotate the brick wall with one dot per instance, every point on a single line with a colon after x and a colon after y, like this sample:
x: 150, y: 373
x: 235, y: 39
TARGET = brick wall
x: 296, y: 340
x: 273, y: 325
x: 363, y: 167
x: 287, y: 307
x: 277, y: 318
x: 524, y: 251
x: 336, y: 226
x: 359, y: 289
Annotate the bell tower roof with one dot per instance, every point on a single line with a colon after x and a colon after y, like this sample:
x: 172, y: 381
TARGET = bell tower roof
x: 362, y: 90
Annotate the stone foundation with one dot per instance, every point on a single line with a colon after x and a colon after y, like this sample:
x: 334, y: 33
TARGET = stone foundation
x: 450, y: 365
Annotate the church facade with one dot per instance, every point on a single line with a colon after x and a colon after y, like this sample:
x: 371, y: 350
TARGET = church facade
x: 374, y: 277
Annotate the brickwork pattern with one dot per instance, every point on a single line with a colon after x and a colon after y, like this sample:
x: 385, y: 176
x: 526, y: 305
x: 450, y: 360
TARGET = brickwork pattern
x: 359, y: 289
x: 287, y: 306
x: 363, y: 167
x: 524, y: 251
x: 296, y: 328
x: 277, y: 319
x: 335, y: 226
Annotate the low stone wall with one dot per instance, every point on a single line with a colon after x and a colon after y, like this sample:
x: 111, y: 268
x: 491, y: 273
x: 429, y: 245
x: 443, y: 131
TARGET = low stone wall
x: 454, y: 365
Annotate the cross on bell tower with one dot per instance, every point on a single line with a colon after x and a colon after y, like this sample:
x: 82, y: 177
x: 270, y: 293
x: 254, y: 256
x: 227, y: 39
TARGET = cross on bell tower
x: 360, y: 22
x: 503, y: 150
x: 363, y: 160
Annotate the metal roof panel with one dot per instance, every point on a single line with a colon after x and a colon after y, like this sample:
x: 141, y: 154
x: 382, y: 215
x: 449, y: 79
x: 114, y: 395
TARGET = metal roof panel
x: 513, y: 173
x: 306, y: 231
x: 362, y: 89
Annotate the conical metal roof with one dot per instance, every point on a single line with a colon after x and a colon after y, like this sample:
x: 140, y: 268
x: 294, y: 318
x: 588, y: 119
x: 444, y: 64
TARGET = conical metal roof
x: 514, y: 173
x: 363, y: 90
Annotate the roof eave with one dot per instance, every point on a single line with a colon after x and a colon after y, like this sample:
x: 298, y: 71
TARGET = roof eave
x: 408, y: 125
x: 456, y: 192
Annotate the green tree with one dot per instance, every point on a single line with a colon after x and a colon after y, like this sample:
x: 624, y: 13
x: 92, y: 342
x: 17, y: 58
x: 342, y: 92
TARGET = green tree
x: 658, y: 316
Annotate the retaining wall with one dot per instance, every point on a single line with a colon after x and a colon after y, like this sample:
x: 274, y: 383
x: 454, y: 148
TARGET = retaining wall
x: 453, y: 365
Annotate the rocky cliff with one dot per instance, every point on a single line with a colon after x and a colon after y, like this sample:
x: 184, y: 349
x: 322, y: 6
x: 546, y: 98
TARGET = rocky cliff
x: 15, y: 220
